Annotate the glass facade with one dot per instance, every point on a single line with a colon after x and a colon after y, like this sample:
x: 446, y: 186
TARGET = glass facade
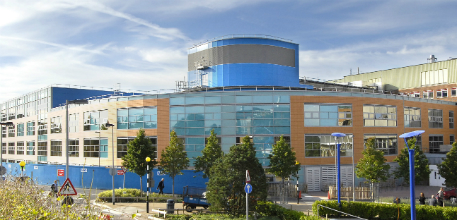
x: 42, y: 148
x: 30, y: 128
x: 56, y: 125
x: 379, y: 116
x: 435, y: 118
x: 122, y: 145
x: 20, y: 129
x: 434, y: 142
x: 328, y: 115
x: 30, y: 147
x: 136, y: 118
x: 412, y: 117
x: 94, y: 119
x: 93, y: 146
x: 324, y: 145
x: 384, y: 142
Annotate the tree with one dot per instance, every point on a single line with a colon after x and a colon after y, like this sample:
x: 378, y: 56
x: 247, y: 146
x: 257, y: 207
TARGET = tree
x: 137, y: 151
x: 283, y: 161
x: 228, y: 176
x: 448, y: 168
x: 173, y: 159
x: 421, y: 169
x: 210, y: 155
x: 372, y: 166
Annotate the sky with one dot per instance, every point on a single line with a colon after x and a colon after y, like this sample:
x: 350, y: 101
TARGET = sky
x: 142, y: 44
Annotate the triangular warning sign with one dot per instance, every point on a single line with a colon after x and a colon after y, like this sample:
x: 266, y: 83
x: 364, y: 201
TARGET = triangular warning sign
x: 67, y: 189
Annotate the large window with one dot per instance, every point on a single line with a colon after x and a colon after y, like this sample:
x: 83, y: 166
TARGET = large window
x: 11, y: 147
x: 73, y: 122
x: 30, y: 147
x: 135, y: 118
x: 20, y: 129
x: 454, y: 92
x: 92, y: 147
x: 435, y: 118
x: 451, y: 119
x: 94, y: 119
x: 122, y: 145
x: 30, y: 128
x: 73, y: 148
x: 434, y: 143
x: 328, y: 115
x: 428, y: 94
x: 56, y: 148
x: 451, y: 139
x: 56, y: 125
x: 42, y: 148
x: 11, y: 132
x: 42, y: 130
x: 3, y: 132
x: 379, y: 116
x: 20, y: 148
x: 412, y: 117
x: 324, y: 145
x: 384, y: 142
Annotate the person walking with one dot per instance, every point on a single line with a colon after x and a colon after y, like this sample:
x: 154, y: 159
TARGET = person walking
x: 441, y: 197
x: 422, y: 199
x: 432, y: 201
x: 161, y: 186
x: 54, y: 188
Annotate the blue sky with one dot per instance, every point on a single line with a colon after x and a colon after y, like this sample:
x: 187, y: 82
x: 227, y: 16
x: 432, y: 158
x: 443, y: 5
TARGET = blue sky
x: 143, y: 44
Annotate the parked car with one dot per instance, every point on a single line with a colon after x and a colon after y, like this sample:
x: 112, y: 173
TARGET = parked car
x: 449, y: 194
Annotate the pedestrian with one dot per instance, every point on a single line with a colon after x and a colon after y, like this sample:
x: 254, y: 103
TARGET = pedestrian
x: 54, y: 187
x: 161, y: 186
x: 441, y: 197
x: 422, y: 199
x: 432, y: 201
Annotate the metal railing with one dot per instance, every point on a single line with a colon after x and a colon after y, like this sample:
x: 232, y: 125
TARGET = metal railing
x: 338, y: 212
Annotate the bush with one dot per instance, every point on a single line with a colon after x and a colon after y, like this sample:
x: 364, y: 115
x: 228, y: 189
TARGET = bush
x: 270, y: 209
x: 203, y: 217
x: 386, y: 211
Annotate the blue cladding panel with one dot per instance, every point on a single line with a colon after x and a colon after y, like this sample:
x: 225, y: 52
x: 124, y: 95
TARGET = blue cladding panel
x: 60, y: 95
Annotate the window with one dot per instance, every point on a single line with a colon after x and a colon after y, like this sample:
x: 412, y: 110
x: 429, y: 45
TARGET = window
x: 30, y: 147
x: 3, y: 148
x: 11, y: 147
x: 42, y: 129
x: 11, y: 132
x: 444, y: 93
x: 415, y: 94
x: 454, y: 92
x: 435, y: 118
x: 73, y: 122
x: 122, y: 145
x: 434, y: 77
x: 384, y: 142
x: 323, y: 145
x: 20, y: 148
x: 135, y: 118
x: 93, y: 120
x: 425, y: 94
x: 451, y: 119
x: 451, y: 139
x: 3, y: 131
x: 379, y: 116
x: 20, y: 129
x: 328, y: 115
x: 434, y: 142
x: 42, y: 148
x: 56, y: 126
x: 56, y: 148
x: 92, y: 147
x: 412, y: 117
x: 439, y: 94
x: 30, y: 128
x: 430, y: 94
x: 73, y: 148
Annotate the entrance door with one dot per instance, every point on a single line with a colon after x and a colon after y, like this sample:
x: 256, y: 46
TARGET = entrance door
x: 313, y: 175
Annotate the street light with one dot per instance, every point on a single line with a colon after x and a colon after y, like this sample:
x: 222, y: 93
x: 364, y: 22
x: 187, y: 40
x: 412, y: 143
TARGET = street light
x: 22, y: 164
x: 147, y: 178
x: 298, y: 191
x: 8, y: 124
x: 338, y: 180
x: 77, y: 101
x: 98, y: 147
x: 411, y: 169
x: 112, y: 143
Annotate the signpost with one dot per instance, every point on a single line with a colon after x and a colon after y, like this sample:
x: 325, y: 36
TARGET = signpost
x: 67, y: 189
x: 247, y: 189
x: 60, y: 172
x: 125, y: 171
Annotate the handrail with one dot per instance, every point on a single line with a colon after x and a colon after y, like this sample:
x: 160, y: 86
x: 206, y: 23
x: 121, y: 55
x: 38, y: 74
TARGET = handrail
x: 338, y: 211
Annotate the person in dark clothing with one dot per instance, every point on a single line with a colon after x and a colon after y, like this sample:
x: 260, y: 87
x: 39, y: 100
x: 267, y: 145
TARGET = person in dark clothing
x: 422, y: 199
x: 54, y: 187
x: 432, y: 201
x: 440, y: 197
x: 161, y: 186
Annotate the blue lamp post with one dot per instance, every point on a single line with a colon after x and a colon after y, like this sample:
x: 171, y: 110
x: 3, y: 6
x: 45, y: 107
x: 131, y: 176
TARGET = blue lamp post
x: 411, y: 169
x: 338, y: 179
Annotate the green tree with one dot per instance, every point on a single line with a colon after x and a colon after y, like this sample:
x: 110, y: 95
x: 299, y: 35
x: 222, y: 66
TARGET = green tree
x: 173, y: 159
x: 421, y: 169
x: 372, y: 166
x: 210, y: 155
x: 283, y: 161
x: 137, y: 151
x: 228, y: 176
x: 448, y: 168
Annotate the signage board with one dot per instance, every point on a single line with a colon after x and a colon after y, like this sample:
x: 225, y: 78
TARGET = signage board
x: 248, y: 188
x: 35, y: 167
x: 67, y: 189
x: 83, y: 170
x: 120, y: 172
x: 60, y: 172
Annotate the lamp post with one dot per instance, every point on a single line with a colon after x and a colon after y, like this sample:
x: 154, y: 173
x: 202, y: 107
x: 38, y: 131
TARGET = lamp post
x: 147, y: 186
x: 98, y: 132
x: 411, y: 170
x: 298, y: 191
x: 1, y: 141
x: 338, y: 180
x: 78, y: 101
x: 22, y: 164
x: 112, y: 143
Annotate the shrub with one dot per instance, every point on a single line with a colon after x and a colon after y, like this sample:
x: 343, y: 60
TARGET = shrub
x: 270, y: 209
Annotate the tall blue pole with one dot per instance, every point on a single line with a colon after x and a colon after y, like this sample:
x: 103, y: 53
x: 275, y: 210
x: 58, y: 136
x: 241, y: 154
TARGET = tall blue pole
x: 338, y: 181
x: 411, y: 182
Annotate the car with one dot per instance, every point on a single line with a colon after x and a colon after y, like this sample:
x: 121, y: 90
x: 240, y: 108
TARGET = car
x: 449, y: 194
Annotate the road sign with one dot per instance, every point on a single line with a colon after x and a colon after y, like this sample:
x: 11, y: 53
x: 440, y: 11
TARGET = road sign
x: 248, y: 177
x: 83, y: 170
x: 60, y: 172
x: 2, y: 170
x: 248, y: 188
x: 120, y: 172
x: 35, y: 167
x: 68, y: 189
x: 124, y: 169
x: 112, y: 171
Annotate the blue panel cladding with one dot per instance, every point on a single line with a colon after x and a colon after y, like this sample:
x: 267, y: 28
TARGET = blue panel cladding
x: 61, y: 95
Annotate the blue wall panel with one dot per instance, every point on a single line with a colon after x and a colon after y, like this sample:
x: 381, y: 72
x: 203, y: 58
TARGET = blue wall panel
x: 60, y: 95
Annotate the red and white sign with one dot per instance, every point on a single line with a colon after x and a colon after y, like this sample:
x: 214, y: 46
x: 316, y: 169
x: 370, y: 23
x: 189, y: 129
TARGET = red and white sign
x: 124, y: 169
x: 120, y: 172
x: 60, y: 172
x: 248, y: 177
x: 67, y: 189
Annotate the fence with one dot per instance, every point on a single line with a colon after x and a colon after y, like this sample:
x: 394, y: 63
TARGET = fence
x: 361, y: 193
x: 276, y: 191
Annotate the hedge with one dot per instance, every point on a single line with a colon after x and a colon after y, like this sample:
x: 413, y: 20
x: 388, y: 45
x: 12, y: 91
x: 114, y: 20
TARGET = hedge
x: 270, y: 209
x: 386, y: 211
